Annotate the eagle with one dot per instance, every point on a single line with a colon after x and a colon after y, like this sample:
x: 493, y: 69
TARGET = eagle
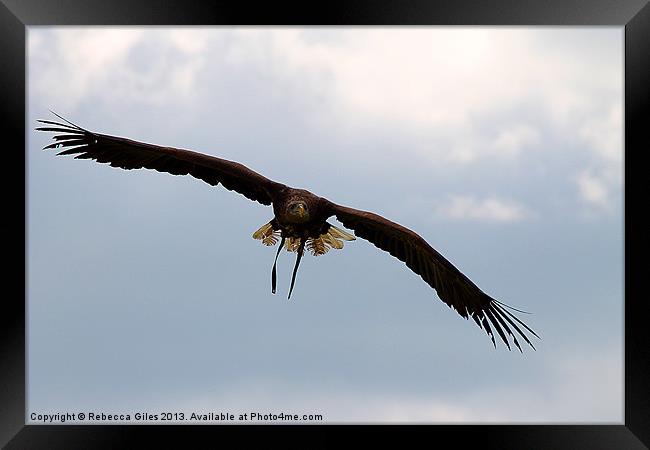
x: 300, y: 220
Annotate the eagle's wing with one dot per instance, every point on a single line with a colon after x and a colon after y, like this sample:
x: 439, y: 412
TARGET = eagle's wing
x: 454, y: 288
x: 128, y: 154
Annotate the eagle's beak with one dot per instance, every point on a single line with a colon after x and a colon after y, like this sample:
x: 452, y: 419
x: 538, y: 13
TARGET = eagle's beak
x: 301, y: 210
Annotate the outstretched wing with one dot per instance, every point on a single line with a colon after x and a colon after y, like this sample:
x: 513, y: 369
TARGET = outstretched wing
x: 454, y: 288
x: 128, y: 154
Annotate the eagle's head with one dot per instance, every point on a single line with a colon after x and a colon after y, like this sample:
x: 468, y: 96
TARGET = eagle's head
x: 298, y: 211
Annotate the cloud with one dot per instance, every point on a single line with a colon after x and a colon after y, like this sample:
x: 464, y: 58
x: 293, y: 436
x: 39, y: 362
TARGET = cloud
x: 415, y: 92
x: 416, y: 89
x: 513, y: 140
x: 600, y: 188
x: 432, y: 86
x: 576, y: 387
x: 133, y: 64
x: 437, y: 83
x: 490, y: 209
x: 78, y: 58
x: 601, y: 182
x: 603, y: 132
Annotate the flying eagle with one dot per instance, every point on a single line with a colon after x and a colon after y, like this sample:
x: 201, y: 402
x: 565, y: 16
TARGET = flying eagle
x: 300, y: 220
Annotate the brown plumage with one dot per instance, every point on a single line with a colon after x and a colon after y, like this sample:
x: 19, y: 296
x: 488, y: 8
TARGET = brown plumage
x: 300, y: 220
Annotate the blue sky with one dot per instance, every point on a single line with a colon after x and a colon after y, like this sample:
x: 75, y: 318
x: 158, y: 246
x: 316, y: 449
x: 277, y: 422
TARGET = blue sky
x: 502, y: 147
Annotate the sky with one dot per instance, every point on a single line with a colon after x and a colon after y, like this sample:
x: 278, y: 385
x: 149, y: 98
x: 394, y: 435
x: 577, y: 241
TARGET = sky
x: 502, y: 147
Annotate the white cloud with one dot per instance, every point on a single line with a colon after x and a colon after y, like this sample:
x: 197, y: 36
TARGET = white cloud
x: 600, y: 188
x: 336, y: 407
x: 430, y: 89
x: 422, y: 76
x: 512, y: 141
x: 490, y: 209
x: 434, y: 82
x: 601, y: 182
x: 592, y: 189
x: 508, y: 143
x: 604, y: 133
x: 78, y: 60
x: 578, y: 387
x: 428, y: 82
x: 81, y: 63
x: 189, y: 40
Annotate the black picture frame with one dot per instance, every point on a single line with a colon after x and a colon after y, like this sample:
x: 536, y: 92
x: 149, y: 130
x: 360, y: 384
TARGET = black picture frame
x: 634, y: 15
